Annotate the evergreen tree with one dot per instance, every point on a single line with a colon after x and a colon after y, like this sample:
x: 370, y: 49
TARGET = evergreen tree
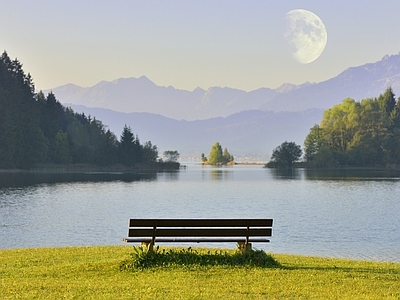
x: 387, y: 101
x: 227, y: 157
x: 37, y: 129
x: 216, y: 155
x: 127, y: 147
x: 61, y: 149
x: 23, y: 143
x: 149, y: 153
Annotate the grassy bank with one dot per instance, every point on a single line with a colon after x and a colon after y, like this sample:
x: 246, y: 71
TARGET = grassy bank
x: 93, y: 273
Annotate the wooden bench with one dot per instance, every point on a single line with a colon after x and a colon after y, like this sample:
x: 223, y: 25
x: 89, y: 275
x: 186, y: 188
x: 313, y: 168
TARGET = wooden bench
x: 242, y: 231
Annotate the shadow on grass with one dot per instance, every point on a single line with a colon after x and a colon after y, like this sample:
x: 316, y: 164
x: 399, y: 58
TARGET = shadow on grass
x: 142, y: 259
x: 347, y: 269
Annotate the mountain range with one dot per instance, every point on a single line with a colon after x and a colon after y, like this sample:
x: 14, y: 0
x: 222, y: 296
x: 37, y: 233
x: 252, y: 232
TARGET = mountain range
x: 247, y: 123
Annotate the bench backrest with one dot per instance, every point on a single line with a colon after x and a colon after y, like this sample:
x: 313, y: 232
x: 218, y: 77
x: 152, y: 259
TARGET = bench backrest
x: 200, y: 228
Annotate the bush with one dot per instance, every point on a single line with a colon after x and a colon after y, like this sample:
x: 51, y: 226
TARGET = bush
x: 142, y: 259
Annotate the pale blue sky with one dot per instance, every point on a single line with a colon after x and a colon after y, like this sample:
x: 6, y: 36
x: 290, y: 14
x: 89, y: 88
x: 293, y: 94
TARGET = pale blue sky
x: 189, y: 44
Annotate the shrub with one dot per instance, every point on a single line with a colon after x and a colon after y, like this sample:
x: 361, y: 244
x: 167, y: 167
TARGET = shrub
x: 142, y: 259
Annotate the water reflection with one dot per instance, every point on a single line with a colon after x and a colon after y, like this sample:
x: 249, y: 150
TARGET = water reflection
x: 352, y: 174
x: 220, y: 174
x: 286, y: 173
x: 25, y: 179
x: 170, y: 175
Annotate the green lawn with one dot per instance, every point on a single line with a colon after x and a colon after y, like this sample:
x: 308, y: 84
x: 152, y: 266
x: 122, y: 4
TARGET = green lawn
x: 93, y: 273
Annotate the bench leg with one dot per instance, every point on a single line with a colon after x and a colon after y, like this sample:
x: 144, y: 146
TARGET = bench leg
x: 244, y: 247
x: 148, y: 246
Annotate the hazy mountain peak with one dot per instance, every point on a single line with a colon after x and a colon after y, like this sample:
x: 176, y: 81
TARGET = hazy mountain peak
x: 142, y: 80
x: 365, y: 81
x: 199, y: 89
x: 287, y: 87
x: 69, y: 87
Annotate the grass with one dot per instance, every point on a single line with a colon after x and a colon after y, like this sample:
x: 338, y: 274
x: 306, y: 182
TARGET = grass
x: 94, y: 273
x: 142, y: 259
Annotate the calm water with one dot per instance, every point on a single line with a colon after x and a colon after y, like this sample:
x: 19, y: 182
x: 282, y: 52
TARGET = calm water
x: 351, y: 215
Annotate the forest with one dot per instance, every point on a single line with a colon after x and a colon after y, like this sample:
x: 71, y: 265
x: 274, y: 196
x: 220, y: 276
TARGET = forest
x: 357, y: 134
x: 36, y: 129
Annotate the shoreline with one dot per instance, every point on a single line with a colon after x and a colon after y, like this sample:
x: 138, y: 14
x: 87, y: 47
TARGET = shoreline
x: 86, y: 168
x: 308, y: 256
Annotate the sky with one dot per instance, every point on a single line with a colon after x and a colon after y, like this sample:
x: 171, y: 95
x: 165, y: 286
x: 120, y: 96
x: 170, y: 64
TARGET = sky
x: 188, y: 44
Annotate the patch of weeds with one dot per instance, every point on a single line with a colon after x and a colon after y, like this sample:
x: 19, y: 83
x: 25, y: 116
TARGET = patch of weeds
x: 142, y: 258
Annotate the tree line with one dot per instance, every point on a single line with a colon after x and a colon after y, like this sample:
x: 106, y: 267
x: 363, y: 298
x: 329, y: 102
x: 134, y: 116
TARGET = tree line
x: 353, y: 134
x: 362, y: 134
x: 36, y: 128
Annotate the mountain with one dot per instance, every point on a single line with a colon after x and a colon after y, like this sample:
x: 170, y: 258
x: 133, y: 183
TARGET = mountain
x: 252, y: 133
x: 247, y: 123
x: 142, y: 95
x: 366, y: 81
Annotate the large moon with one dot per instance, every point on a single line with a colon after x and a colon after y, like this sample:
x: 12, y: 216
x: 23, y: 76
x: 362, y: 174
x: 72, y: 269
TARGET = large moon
x: 305, y: 35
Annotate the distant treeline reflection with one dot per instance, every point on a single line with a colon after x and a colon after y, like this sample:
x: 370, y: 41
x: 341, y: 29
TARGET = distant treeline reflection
x: 335, y: 174
x: 23, y: 179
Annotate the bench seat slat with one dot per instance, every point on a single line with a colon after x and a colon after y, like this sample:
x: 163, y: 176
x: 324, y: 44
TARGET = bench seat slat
x: 200, y: 222
x: 200, y: 232
x: 195, y: 240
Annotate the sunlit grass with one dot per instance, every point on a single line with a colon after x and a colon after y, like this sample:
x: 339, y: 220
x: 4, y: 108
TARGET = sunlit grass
x: 142, y: 258
x: 94, y: 273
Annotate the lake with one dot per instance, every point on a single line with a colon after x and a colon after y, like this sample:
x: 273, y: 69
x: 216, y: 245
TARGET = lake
x: 352, y: 214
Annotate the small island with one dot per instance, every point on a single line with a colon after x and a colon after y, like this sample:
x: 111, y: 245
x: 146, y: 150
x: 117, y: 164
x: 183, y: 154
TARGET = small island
x: 218, y: 157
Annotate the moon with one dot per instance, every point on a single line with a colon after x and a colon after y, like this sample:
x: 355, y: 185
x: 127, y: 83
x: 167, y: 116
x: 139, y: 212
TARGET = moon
x: 305, y: 35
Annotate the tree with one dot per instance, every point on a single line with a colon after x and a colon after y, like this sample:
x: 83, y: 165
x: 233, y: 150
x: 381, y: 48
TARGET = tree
x: 22, y: 141
x: 313, y: 143
x: 61, y: 148
x: 38, y: 129
x: 149, y: 152
x: 387, y: 101
x: 340, y: 123
x: 286, y: 154
x: 353, y: 133
x: 171, y: 156
x: 217, y: 156
x: 127, y: 147
x: 227, y: 157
